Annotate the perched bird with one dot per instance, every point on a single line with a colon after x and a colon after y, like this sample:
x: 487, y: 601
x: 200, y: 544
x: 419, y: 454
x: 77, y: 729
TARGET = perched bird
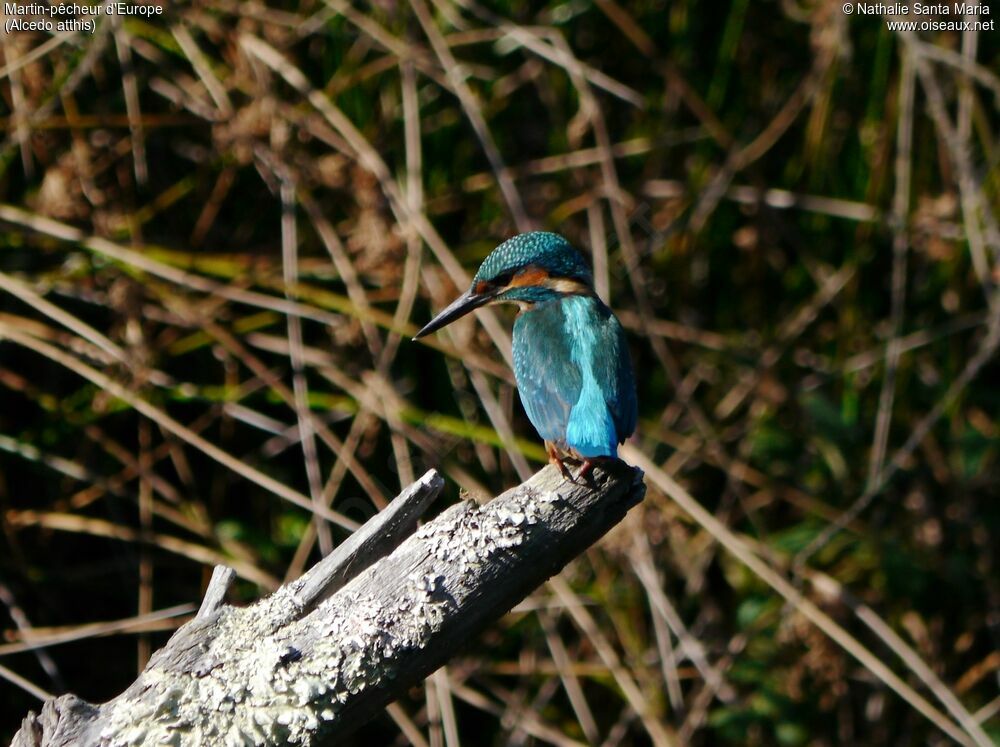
x: 571, y: 363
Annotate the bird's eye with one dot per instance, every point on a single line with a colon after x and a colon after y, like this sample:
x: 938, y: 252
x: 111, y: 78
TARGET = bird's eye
x: 503, y: 279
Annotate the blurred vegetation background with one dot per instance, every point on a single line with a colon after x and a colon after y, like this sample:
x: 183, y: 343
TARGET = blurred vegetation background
x: 221, y: 227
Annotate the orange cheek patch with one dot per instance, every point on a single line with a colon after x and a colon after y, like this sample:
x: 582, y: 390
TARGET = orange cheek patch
x: 481, y: 287
x: 532, y: 276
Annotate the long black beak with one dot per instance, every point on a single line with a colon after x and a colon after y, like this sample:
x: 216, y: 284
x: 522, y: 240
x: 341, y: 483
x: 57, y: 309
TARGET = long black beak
x: 456, y: 309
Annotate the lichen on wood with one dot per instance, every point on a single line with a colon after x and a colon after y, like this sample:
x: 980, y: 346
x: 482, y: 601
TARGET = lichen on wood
x: 326, y: 652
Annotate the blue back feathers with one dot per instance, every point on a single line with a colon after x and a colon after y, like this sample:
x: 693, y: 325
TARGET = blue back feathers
x: 572, y: 365
x: 574, y: 375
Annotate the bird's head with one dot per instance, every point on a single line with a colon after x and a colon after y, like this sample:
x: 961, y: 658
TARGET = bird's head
x: 527, y: 269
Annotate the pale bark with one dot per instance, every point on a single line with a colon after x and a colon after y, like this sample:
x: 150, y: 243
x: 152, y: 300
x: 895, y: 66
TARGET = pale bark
x: 325, y: 653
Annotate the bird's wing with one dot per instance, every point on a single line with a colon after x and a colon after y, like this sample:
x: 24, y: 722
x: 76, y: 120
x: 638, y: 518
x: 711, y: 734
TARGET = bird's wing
x: 548, y: 379
x: 613, y: 371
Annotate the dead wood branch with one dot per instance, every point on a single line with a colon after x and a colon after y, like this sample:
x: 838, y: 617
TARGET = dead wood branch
x: 327, y: 652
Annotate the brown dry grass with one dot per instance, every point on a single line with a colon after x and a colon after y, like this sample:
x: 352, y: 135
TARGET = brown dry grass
x: 222, y: 228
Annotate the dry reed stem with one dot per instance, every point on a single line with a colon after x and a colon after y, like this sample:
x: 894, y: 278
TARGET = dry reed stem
x: 704, y: 430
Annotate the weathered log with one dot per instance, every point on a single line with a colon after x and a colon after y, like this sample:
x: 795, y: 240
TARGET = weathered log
x: 325, y: 653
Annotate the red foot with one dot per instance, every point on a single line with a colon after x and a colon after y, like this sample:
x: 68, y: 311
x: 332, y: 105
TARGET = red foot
x: 556, y: 459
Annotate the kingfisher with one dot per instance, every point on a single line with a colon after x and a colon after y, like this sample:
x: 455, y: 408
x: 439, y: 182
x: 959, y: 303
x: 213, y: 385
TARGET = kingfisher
x: 571, y: 363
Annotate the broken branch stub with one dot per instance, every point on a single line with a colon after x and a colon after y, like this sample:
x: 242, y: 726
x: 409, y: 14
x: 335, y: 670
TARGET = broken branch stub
x: 317, y: 658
